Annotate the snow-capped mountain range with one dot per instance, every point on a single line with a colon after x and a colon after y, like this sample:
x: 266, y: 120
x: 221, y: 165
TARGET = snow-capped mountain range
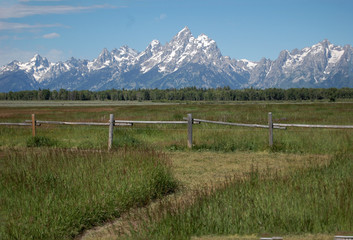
x: 183, y: 62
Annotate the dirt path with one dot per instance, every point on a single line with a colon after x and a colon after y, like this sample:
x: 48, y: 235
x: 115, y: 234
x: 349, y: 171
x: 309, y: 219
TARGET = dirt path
x: 197, y: 170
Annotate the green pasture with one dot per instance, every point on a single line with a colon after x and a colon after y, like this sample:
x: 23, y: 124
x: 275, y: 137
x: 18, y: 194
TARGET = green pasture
x: 64, y: 181
x: 207, y: 137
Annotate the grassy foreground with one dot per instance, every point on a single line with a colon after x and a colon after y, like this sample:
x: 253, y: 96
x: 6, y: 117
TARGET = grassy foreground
x: 57, y: 191
x: 56, y: 194
x: 317, y: 200
x: 195, y: 170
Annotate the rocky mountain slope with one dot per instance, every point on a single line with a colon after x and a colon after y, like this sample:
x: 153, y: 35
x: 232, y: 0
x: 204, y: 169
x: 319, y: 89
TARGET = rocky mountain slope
x: 184, y: 61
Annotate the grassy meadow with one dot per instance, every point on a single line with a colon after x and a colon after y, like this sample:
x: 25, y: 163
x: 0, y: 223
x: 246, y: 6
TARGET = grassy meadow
x: 207, y: 137
x: 318, y: 200
x: 64, y: 181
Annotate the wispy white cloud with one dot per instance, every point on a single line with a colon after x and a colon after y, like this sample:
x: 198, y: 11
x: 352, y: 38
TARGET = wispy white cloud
x: 8, y: 55
x: 21, y: 26
x: 51, y: 35
x: 161, y: 17
x: 22, y: 10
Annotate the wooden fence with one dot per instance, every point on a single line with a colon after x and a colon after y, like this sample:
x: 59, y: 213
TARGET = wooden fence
x: 335, y: 238
x: 188, y: 120
x: 343, y: 238
x: 271, y: 238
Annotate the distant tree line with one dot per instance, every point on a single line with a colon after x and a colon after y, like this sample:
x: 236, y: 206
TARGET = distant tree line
x: 189, y: 94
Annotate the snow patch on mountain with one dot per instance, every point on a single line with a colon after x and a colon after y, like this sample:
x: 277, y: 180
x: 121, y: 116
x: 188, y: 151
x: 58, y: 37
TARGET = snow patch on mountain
x: 37, y: 67
x: 248, y: 64
x: 186, y: 61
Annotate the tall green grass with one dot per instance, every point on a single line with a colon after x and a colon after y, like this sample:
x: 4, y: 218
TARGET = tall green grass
x: 318, y: 200
x: 56, y: 194
x: 292, y: 140
x: 206, y: 136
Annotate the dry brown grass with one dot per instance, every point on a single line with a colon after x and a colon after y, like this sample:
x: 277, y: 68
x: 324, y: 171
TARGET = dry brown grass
x: 193, y: 169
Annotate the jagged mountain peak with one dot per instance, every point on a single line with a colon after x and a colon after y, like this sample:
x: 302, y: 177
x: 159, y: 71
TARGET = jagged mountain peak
x: 183, y: 36
x: 184, y: 32
x: 322, y: 47
x: 35, y: 58
x: 127, y: 50
x: 154, y: 46
x: 283, y: 55
x: 151, y: 50
x: 104, y: 53
x: 204, y: 40
x: 325, y: 42
x: 38, y: 60
x: 183, y: 49
x: 75, y: 62
x: 186, y: 61
x: 104, y: 57
x: 124, y: 52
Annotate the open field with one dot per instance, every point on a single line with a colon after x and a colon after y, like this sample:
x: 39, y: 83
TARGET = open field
x: 218, y: 167
x: 173, y: 137
x: 317, y: 200
x: 77, y: 103
x: 205, y: 170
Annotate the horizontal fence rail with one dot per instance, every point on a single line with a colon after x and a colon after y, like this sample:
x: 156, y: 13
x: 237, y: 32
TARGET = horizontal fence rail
x: 189, y: 121
x: 312, y: 126
x: 77, y: 123
x: 343, y: 237
x: 73, y: 123
x: 16, y: 124
x: 150, y: 122
x: 237, y: 124
x: 271, y: 238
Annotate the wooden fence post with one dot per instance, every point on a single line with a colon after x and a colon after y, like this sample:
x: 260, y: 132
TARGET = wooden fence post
x: 190, y: 130
x: 33, y: 125
x: 111, y: 128
x: 270, y: 129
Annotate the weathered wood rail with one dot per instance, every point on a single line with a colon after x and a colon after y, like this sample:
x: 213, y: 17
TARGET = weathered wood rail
x: 189, y: 121
x: 39, y: 122
x: 271, y: 238
x: 150, y: 122
x: 312, y: 126
x: 343, y: 238
x: 335, y: 238
x: 16, y: 124
x: 236, y: 124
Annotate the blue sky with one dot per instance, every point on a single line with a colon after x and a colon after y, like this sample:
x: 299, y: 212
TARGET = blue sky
x: 251, y: 29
